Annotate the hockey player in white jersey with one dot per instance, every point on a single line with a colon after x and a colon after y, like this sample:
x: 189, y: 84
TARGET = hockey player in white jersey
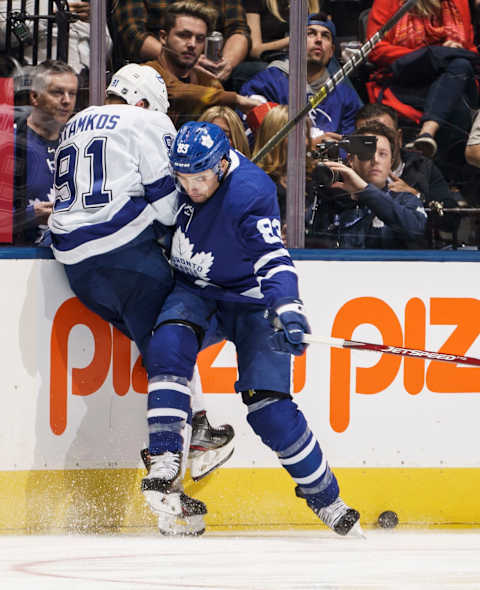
x: 230, y: 263
x: 115, y: 198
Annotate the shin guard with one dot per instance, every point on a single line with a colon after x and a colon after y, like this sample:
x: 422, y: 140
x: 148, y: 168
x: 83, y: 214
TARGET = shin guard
x: 283, y: 428
x: 170, y: 359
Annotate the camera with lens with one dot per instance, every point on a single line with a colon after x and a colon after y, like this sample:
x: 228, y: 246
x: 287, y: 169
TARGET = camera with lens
x: 363, y: 146
x: 20, y: 28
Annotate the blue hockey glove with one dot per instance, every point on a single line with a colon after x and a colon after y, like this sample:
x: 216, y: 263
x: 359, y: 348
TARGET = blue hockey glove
x: 290, y: 321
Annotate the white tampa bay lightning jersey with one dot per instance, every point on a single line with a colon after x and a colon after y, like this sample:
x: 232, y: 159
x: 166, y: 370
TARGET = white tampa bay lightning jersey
x: 230, y: 246
x: 112, y: 180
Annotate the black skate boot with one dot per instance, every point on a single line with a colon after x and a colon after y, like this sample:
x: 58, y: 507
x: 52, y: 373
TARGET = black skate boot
x: 209, y: 447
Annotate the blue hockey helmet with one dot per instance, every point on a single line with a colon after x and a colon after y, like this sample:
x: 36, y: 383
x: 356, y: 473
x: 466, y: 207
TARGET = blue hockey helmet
x: 199, y: 146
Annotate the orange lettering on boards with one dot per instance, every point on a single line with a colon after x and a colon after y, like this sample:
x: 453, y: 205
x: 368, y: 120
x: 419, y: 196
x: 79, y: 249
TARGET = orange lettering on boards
x: 364, y: 310
x: 415, y: 337
x: 222, y: 379
x: 86, y: 380
x: 113, y: 350
x: 121, y: 362
x: 439, y: 377
x: 139, y: 376
x: 465, y: 315
x: 214, y: 379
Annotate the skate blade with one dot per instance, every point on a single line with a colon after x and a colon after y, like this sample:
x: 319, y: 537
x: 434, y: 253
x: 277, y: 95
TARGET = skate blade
x: 356, y: 531
x: 181, y: 526
x: 204, y: 462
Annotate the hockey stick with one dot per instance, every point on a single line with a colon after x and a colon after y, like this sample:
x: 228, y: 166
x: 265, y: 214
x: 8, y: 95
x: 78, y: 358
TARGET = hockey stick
x: 398, y: 350
x: 350, y: 65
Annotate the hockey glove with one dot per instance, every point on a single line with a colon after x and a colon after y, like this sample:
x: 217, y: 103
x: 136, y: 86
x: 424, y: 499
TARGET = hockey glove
x: 291, y: 324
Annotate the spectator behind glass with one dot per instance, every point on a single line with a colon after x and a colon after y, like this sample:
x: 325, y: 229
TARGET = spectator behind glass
x: 274, y: 163
x: 228, y: 120
x: 411, y: 171
x: 138, y: 23
x: 190, y: 89
x: 78, y: 32
x: 53, y: 96
x: 269, y: 27
x: 430, y: 52
x: 377, y: 216
x: 336, y: 114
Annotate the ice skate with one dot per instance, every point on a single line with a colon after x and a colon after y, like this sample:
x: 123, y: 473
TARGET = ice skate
x: 178, y: 514
x: 188, y: 518
x: 210, y: 447
x: 342, y: 519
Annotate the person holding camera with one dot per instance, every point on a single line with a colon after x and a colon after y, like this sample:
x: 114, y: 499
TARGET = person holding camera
x: 413, y: 172
x: 358, y: 210
x: 191, y: 89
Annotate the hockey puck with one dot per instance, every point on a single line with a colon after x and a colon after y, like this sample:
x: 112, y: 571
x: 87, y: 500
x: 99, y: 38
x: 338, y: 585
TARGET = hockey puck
x: 388, y: 519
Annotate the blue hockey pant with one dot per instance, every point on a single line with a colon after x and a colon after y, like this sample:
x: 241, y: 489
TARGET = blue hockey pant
x: 264, y: 378
x: 126, y: 287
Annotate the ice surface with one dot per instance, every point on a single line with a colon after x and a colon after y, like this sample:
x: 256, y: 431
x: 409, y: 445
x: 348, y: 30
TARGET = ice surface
x: 293, y: 560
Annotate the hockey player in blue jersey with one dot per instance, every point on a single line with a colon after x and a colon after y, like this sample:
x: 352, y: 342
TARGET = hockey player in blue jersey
x: 230, y: 264
x: 115, y: 195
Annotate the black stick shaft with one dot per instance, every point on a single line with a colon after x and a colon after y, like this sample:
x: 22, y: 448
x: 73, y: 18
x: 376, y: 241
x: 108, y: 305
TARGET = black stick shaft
x: 332, y: 82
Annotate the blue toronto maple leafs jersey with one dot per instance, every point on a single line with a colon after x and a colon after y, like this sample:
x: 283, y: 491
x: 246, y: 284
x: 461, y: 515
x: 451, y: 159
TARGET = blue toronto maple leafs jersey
x: 230, y: 247
x: 40, y: 155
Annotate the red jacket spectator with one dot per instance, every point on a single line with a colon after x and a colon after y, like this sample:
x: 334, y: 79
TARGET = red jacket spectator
x: 426, y: 69
x: 414, y: 31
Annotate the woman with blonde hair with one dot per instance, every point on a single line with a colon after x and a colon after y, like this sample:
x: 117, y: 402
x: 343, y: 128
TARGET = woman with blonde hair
x: 426, y: 61
x: 274, y: 163
x: 228, y: 120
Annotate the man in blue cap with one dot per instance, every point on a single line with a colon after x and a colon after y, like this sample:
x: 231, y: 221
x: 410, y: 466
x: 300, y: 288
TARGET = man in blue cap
x: 335, y: 116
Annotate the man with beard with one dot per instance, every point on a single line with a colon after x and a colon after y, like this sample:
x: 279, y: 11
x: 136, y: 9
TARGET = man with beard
x: 136, y: 25
x: 335, y: 116
x: 191, y: 90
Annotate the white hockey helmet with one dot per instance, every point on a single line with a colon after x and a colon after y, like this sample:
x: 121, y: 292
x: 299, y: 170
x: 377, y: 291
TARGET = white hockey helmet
x: 134, y: 82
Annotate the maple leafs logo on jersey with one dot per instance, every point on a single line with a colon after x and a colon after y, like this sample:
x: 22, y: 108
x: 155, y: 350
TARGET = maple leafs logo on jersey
x: 183, y: 259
